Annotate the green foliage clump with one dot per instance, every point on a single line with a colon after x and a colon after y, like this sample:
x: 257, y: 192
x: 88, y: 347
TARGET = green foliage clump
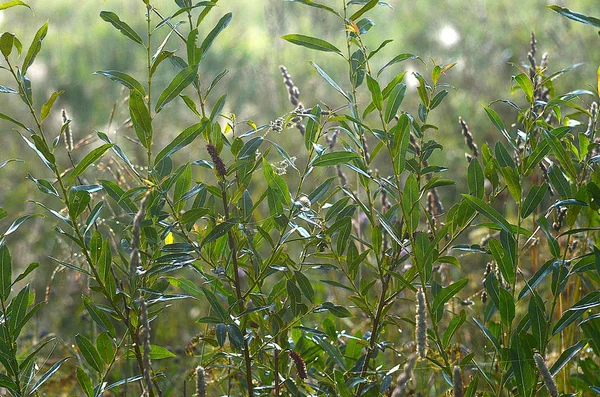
x: 333, y: 270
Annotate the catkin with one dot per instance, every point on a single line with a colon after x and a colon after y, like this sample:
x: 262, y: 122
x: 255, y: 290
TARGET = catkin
x: 200, y: 382
x: 68, y: 133
x: 546, y: 375
x: 216, y: 159
x: 404, y: 377
x: 468, y: 139
x: 421, y: 321
x: 300, y: 364
x: 458, y: 383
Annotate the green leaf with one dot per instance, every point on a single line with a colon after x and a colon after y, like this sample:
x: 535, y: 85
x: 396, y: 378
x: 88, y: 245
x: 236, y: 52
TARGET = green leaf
x: 538, y: 320
x: 182, y: 140
x: 575, y: 312
x: 34, y: 49
x: 486, y: 210
x: 476, y: 179
x: 85, y: 382
x: 521, y: 364
x: 507, y: 307
x: 47, y: 375
x: 336, y: 310
x: 311, y: 42
x: 32, y: 266
x: 559, y: 181
x: 305, y: 285
x: 184, y: 78
x: 334, y: 158
x: 105, y: 346
x: 124, y: 79
x: 566, y: 356
x: 89, y: 352
x: 497, y: 121
x: 48, y: 105
x: 533, y: 199
x: 376, y: 95
x: 276, y: 182
x: 5, y: 272
x: 396, y: 59
x: 488, y: 334
x: 447, y: 293
x: 140, y: 118
x: 503, y: 259
x: 394, y: 102
x: 370, y: 4
x: 13, y: 3
x: 210, y: 37
x: 8, y: 118
x: 525, y: 84
x: 99, y: 317
x: 235, y: 336
x: 576, y: 16
x: 160, y: 353
x: 330, y: 81
x: 114, y: 20
x: 18, y: 222
x: 214, y: 303
x: 561, y: 155
x: 218, y: 231
x: 455, y: 323
x: 88, y: 160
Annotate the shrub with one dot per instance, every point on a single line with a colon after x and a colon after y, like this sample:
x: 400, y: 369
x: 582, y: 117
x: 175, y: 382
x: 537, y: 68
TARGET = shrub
x: 335, y: 270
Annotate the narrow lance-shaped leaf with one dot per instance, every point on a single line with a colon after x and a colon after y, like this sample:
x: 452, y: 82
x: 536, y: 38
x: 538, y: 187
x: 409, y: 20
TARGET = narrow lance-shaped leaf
x: 212, y: 35
x: 48, y: 105
x: 123, y: 78
x: 330, y: 81
x: 89, y: 352
x: 88, y: 160
x: 576, y: 16
x: 183, y: 79
x: 375, y: 89
x: 140, y: 117
x: 370, y: 4
x: 334, y: 158
x: 394, y: 102
x: 182, y: 140
x: 5, y: 272
x: 13, y: 3
x: 447, y: 293
x: 114, y: 20
x: 486, y: 210
x: 311, y: 42
x: 34, y: 49
x: 533, y: 199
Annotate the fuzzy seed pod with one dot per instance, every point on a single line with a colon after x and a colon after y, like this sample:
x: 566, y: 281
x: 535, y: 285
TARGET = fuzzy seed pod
x: 200, y: 382
x: 458, y: 383
x: 145, y: 334
x: 421, y: 321
x: 216, y: 159
x: 546, y: 375
x: 468, y: 138
x: 404, y: 377
x: 300, y: 365
x: 68, y: 133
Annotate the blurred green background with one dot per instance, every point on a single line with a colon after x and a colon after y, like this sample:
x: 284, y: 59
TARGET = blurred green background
x: 483, y: 36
